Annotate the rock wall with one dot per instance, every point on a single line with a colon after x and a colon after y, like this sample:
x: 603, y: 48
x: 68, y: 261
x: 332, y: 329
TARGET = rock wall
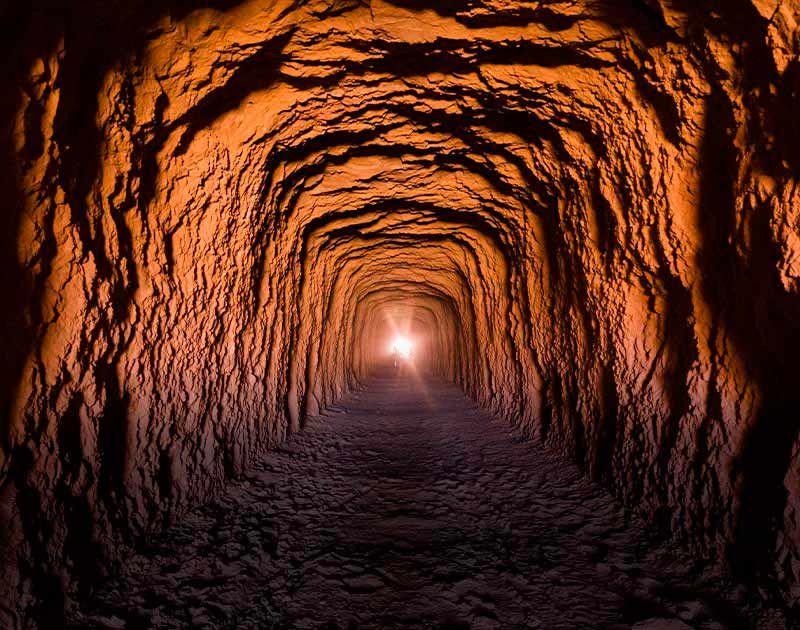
x: 590, y: 210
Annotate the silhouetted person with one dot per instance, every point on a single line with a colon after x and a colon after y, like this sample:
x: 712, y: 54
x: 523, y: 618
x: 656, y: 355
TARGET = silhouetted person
x: 396, y: 361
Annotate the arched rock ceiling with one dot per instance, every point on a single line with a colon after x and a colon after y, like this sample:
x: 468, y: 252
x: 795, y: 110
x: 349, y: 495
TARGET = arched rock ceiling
x: 590, y: 209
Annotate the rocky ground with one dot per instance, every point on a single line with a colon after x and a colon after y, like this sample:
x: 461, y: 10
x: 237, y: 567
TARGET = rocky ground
x: 407, y: 506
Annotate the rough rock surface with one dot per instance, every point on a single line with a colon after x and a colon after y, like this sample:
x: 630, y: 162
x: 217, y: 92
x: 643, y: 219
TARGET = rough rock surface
x: 411, y: 508
x: 218, y: 209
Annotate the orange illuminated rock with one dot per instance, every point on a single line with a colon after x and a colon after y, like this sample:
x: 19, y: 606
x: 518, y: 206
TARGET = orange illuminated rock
x: 586, y: 212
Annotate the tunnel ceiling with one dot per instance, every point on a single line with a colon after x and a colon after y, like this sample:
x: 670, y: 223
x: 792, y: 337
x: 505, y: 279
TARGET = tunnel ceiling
x: 589, y: 209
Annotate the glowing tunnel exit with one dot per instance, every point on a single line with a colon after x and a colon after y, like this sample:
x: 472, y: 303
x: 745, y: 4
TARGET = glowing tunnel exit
x: 402, y: 347
x: 410, y: 332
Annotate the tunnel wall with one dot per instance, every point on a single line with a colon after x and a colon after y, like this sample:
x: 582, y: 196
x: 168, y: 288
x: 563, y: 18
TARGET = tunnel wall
x: 209, y: 206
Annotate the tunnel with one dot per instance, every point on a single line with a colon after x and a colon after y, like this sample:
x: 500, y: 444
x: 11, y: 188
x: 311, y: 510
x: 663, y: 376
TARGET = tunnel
x: 395, y: 313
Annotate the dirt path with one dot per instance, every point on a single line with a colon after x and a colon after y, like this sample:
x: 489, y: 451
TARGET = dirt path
x: 409, y: 507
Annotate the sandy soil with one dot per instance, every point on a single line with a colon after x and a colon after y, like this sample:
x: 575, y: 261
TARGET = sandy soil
x: 407, y: 506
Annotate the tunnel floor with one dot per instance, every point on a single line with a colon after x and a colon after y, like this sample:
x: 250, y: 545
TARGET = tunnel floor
x: 407, y: 506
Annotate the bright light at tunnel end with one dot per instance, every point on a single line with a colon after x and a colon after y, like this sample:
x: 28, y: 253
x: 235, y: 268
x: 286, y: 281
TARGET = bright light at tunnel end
x: 402, y: 346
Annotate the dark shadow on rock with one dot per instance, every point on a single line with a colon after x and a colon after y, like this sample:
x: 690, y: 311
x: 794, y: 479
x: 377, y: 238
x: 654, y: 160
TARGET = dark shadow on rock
x: 760, y: 318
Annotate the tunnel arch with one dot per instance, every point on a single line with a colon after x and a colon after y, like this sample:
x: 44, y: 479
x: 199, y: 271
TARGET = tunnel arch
x: 194, y: 188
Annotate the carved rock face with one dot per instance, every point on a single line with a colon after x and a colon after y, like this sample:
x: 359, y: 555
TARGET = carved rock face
x: 586, y: 213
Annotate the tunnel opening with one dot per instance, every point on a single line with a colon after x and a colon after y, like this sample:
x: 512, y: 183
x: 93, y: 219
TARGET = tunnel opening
x: 230, y: 223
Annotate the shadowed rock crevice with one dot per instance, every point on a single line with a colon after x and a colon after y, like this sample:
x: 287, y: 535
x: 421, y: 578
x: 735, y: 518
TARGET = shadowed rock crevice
x: 220, y: 215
